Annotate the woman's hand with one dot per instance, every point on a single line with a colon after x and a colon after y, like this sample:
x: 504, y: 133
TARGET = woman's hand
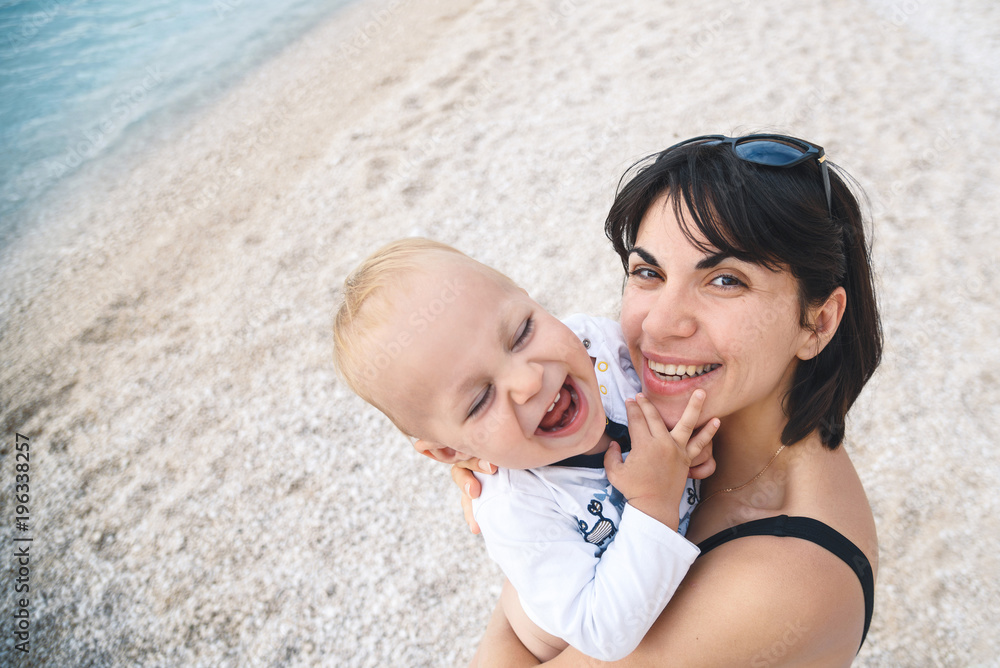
x: 461, y: 474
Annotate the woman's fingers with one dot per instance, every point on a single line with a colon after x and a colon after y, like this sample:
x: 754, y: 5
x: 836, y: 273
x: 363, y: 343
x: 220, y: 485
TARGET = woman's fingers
x: 470, y: 517
x: 466, y: 481
x: 474, y: 464
x: 471, y: 489
x: 689, y: 418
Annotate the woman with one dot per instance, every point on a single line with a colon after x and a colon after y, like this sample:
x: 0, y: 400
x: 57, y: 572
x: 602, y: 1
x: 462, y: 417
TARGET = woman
x: 748, y: 258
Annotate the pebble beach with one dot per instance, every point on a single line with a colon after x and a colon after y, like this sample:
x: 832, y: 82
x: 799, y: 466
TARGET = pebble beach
x: 206, y: 492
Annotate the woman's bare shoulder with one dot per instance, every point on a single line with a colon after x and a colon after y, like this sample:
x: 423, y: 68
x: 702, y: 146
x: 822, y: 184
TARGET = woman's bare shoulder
x: 774, y: 600
x: 829, y: 489
x: 760, y: 601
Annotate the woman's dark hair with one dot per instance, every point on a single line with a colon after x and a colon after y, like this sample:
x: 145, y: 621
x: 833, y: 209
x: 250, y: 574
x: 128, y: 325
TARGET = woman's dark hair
x: 776, y: 217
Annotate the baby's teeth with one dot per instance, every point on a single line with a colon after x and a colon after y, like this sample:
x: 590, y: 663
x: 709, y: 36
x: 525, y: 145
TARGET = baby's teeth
x: 556, y: 401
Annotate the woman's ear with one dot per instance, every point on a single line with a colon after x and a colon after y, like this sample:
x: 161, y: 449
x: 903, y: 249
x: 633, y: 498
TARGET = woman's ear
x: 439, y: 452
x: 824, y: 320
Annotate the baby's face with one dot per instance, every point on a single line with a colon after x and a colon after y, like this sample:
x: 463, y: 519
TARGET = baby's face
x: 483, y: 369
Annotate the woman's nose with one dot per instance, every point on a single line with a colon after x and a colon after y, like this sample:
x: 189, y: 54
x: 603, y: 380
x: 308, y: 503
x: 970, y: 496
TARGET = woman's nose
x: 671, y: 315
x: 526, y: 381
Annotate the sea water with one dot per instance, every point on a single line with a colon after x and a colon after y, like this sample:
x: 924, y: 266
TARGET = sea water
x: 79, y: 77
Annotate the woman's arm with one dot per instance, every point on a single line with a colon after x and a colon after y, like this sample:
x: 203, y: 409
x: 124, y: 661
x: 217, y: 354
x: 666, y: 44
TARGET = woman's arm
x: 461, y: 475
x: 500, y: 646
x: 758, y: 601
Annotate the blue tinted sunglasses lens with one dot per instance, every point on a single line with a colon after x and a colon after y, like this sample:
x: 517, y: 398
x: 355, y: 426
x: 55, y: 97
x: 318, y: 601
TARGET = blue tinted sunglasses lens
x: 768, y: 152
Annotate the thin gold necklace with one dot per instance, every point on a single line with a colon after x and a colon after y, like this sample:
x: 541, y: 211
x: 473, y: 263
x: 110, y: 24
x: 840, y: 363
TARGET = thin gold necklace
x: 748, y: 482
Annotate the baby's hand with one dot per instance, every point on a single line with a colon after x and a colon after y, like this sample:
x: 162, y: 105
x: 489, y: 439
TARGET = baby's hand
x: 703, y: 465
x: 653, y: 476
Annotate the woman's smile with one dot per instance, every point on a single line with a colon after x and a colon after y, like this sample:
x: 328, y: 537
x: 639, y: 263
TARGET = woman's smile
x: 684, y: 378
x: 680, y: 371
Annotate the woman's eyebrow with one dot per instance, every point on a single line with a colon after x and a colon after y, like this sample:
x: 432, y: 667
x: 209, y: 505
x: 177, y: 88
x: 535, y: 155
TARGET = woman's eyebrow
x: 646, y: 256
x: 707, y: 262
x: 711, y: 261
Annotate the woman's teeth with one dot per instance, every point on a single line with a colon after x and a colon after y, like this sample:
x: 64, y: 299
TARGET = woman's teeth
x: 681, y: 371
x: 554, y: 402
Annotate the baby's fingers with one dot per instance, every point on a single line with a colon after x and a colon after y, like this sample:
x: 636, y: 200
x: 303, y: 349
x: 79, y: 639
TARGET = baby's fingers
x: 470, y: 489
x: 613, y: 463
x: 689, y: 419
x: 637, y: 425
x: 653, y: 420
x: 702, y: 441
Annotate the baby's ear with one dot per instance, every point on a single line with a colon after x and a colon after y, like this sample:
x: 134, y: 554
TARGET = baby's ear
x: 438, y: 452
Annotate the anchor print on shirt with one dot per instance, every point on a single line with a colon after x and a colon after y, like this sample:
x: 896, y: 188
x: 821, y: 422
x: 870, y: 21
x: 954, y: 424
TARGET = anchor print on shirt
x: 604, y: 529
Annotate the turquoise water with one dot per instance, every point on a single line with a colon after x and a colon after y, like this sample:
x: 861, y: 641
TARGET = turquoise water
x: 78, y: 77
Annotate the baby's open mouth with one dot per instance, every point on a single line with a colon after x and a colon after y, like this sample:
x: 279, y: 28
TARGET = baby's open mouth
x: 680, y: 371
x: 563, y: 410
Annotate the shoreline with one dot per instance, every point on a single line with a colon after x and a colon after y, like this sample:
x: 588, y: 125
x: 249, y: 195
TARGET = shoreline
x: 207, y: 492
x: 130, y: 98
x: 87, y: 220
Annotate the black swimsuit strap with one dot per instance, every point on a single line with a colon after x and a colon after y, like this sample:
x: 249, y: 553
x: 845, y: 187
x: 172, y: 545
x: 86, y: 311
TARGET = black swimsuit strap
x: 816, y: 532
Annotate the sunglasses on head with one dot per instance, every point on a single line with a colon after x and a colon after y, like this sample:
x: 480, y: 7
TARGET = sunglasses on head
x: 770, y: 151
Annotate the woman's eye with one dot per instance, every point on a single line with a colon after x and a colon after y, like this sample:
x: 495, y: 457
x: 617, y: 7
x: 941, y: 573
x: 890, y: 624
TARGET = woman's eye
x: 727, y: 281
x: 524, y: 333
x: 482, y: 402
x: 643, y: 273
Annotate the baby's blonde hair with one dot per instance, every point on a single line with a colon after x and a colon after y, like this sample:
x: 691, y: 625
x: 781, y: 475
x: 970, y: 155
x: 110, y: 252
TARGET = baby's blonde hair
x: 370, y: 293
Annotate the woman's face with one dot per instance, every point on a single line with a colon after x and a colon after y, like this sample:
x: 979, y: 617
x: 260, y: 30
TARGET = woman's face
x: 696, y: 319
